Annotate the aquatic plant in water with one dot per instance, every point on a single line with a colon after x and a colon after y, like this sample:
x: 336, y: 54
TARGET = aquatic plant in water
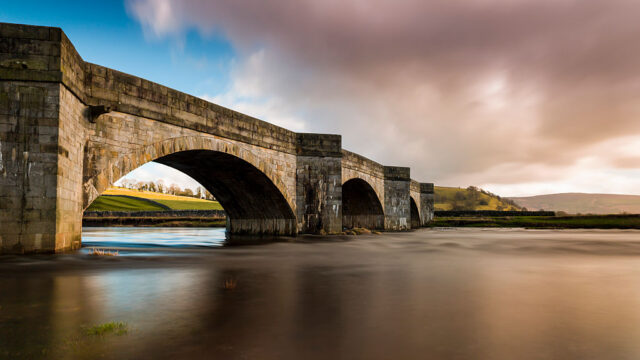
x: 112, y: 327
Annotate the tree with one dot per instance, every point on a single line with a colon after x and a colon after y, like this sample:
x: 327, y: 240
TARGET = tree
x: 152, y: 186
x: 174, y: 189
x: 187, y: 192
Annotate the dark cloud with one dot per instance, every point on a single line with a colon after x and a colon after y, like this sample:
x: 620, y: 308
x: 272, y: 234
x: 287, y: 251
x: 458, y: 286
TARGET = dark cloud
x: 459, y: 90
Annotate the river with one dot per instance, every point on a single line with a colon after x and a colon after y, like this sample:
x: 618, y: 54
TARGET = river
x: 425, y: 294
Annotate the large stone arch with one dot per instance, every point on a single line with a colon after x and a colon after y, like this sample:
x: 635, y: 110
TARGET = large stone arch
x: 361, y: 205
x: 249, y: 188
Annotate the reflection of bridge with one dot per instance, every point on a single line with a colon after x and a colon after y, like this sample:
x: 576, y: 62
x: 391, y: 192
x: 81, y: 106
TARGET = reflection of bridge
x: 69, y: 129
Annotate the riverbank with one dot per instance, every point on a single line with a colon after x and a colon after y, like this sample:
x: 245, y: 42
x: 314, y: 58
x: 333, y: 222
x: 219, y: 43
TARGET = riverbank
x: 543, y: 222
x: 175, y: 218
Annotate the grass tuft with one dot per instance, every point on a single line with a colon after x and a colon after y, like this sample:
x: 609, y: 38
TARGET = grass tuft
x: 230, y: 284
x: 118, y: 328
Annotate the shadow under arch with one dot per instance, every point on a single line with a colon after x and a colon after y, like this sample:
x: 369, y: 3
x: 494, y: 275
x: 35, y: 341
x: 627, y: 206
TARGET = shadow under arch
x: 361, y: 206
x: 415, y: 214
x: 254, y: 205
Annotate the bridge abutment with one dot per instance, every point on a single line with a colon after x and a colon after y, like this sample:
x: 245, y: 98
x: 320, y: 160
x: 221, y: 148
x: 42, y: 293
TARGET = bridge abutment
x: 40, y: 169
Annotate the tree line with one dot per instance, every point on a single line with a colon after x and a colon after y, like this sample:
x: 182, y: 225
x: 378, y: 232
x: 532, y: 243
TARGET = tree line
x: 159, y: 186
x: 472, y: 197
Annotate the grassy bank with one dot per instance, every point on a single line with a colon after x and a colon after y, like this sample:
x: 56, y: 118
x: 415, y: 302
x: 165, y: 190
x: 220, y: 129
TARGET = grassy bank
x: 544, y: 222
x: 124, y: 203
x: 119, y: 199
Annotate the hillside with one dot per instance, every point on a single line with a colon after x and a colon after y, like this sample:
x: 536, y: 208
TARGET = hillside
x: 120, y: 199
x: 581, y: 203
x: 471, y: 198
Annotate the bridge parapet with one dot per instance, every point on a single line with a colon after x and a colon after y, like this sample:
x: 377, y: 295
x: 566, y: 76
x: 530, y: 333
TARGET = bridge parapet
x: 44, y: 54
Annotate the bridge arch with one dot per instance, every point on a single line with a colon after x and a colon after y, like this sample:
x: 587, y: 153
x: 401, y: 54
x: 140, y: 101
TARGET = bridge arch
x: 248, y: 187
x: 361, y: 206
x: 415, y: 214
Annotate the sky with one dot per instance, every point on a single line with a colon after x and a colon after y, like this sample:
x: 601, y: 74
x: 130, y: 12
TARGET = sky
x: 519, y: 97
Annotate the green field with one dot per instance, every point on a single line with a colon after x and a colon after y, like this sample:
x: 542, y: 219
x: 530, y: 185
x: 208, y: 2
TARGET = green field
x: 119, y: 199
x: 545, y: 222
x: 190, y: 205
x: 122, y: 203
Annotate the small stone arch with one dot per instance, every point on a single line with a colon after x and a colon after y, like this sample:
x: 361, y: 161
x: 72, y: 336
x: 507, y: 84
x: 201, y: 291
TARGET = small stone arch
x: 361, y: 206
x: 415, y: 214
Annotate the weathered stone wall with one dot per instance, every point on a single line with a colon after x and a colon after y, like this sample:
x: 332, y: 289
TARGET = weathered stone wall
x: 318, y: 183
x: 71, y: 139
x: 28, y: 137
x: 397, y: 202
x: 28, y: 165
x: 427, y: 204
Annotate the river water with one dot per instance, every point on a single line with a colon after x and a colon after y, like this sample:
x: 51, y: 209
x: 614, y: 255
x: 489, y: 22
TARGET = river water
x: 426, y: 294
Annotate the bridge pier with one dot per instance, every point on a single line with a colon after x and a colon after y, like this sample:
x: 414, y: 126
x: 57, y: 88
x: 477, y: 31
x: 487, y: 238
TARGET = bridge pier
x: 319, y: 183
x: 397, y: 202
x: 427, y: 203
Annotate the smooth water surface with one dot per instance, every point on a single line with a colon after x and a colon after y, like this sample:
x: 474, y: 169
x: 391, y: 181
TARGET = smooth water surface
x: 140, y: 237
x: 427, y: 294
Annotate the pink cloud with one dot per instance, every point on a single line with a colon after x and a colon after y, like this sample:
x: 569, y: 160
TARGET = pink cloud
x: 461, y: 91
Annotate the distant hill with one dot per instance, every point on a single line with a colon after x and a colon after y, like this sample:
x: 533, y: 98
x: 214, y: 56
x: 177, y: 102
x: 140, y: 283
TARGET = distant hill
x: 471, y: 198
x: 574, y: 203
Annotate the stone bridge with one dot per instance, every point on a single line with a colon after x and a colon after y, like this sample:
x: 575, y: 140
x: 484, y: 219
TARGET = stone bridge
x: 69, y: 129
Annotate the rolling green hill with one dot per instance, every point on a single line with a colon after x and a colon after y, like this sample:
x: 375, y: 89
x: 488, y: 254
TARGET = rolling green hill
x: 581, y: 203
x: 119, y: 199
x: 471, y: 198
x: 123, y: 203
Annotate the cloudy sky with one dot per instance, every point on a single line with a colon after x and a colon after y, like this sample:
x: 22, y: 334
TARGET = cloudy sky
x: 520, y: 97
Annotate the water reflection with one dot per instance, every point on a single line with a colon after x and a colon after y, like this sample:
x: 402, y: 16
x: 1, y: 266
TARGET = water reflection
x: 429, y: 294
x: 140, y: 237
